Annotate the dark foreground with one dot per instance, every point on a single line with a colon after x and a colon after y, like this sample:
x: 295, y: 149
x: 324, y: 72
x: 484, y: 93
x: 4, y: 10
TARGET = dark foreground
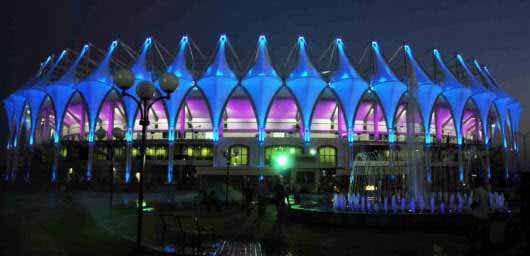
x: 48, y: 223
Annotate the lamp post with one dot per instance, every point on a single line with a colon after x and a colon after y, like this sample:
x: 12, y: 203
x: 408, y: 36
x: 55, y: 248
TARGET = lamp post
x: 118, y: 134
x: 227, y: 155
x: 145, y: 91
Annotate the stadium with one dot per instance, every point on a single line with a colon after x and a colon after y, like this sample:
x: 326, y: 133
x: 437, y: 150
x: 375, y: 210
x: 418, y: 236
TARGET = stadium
x: 432, y: 121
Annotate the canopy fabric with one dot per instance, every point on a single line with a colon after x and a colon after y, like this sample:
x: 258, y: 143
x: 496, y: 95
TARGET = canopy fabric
x: 481, y: 96
x: 61, y: 92
x: 261, y: 83
x: 141, y: 74
x: 388, y: 89
x: 305, y: 84
x: 501, y: 102
x: 349, y: 87
x: 455, y: 93
x: 178, y: 68
x: 95, y: 88
x: 217, y: 83
x: 425, y: 92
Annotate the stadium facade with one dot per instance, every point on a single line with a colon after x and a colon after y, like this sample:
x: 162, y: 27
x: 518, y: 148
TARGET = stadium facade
x: 457, y: 116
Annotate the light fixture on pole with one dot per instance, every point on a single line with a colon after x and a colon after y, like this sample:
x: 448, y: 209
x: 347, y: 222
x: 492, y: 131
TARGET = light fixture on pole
x: 118, y: 135
x: 145, y: 91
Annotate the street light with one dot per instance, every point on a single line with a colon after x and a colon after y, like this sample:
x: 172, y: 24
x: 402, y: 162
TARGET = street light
x: 119, y: 135
x: 145, y: 91
x: 228, y: 156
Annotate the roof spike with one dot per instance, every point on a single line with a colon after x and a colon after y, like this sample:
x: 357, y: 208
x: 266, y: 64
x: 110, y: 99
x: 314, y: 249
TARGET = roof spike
x: 383, y: 71
x: 262, y: 65
x: 448, y: 77
x: 69, y: 75
x: 420, y: 75
x: 102, y: 73
x: 344, y: 68
x: 178, y: 66
x: 219, y: 65
x: 304, y: 66
x: 44, y: 79
x: 472, y: 78
x: 43, y: 66
x: 139, y: 68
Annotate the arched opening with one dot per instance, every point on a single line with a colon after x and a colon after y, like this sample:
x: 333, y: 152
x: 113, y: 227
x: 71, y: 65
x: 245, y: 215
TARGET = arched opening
x: 24, y: 126
x: 75, y: 120
x: 193, y: 123
x: 444, y: 124
x: 45, y: 122
x: 444, y: 154
x: 370, y: 123
x: 158, y: 123
x: 407, y: 121
x: 496, y: 153
x: 471, y: 124
x: 239, y: 118
x: 327, y: 119
x: 111, y: 115
x: 284, y: 120
x: 194, y: 118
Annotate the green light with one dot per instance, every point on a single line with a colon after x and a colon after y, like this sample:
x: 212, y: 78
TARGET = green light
x: 312, y: 151
x: 282, y: 160
x: 292, y: 151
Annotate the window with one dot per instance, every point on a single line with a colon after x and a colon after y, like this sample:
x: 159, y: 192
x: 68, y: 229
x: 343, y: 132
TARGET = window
x: 270, y: 151
x: 327, y: 155
x: 156, y: 153
x: 203, y: 152
x: 241, y: 158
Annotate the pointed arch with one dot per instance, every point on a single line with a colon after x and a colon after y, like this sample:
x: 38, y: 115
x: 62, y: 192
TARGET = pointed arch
x: 283, y: 114
x: 239, y: 114
x: 327, y: 115
x: 402, y: 122
x: 43, y: 133
x: 442, y: 117
x: 471, y: 122
x: 194, y: 114
x: 77, y: 110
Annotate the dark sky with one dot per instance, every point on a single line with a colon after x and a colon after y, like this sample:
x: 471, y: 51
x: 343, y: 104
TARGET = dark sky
x: 496, y: 32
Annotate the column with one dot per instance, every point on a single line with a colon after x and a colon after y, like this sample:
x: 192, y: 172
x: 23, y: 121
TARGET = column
x: 461, y: 173
x: 128, y: 152
x: 55, y: 166
x: 170, y: 149
x: 89, y: 160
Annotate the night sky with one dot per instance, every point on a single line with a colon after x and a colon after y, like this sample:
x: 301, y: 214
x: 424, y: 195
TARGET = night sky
x: 495, y: 32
